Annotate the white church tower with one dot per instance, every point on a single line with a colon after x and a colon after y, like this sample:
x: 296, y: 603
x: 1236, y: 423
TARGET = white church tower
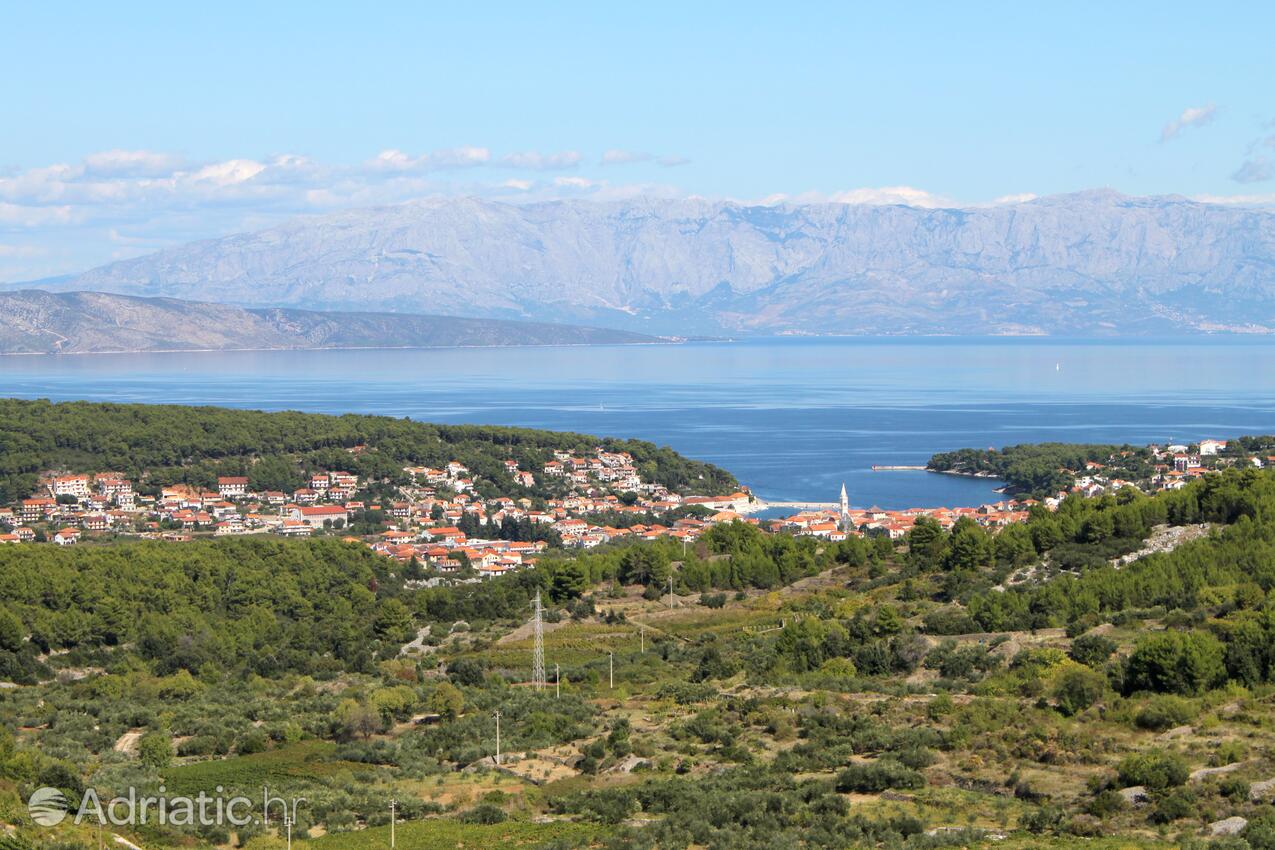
x: 845, y: 508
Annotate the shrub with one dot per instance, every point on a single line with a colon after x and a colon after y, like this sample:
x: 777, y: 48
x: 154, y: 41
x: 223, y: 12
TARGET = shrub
x: 1176, y: 662
x: 1155, y: 769
x: 1092, y: 650
x: 950, y: 621
x: 464, y: 671
x: 1077, y: 689
x: 200, y: 745
x: 1174, y: 806
x: 484, y: 813
x: 915, y: 757
x: 1106, y: 804
x: 1260, y: 833
x: 1164, y: 712
x: 1043, y: 819
x: 254, y: 741
x: 879, y: 775
x: 941, y: 706
x: 1234, y: 789
x: 1228, y: 752
x: 155, y: 749
x: 839, y: 668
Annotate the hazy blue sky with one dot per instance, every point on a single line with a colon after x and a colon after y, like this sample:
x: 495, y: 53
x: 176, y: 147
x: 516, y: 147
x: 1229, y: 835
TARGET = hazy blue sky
x: 130, y: 126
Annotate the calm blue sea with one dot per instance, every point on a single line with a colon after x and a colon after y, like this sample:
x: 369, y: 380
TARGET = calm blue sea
x: 791, y: 417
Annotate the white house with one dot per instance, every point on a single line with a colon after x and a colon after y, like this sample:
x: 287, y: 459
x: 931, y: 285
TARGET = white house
x: 317, y: 516
x: 232, y: 487
x: 67, y: 536
x: 71, y: 485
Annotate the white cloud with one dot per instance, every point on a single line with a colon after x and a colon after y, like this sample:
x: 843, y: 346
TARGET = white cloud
x: 226, y: 173
x: 619, y: 157
x: 616, y: 156
x: 19, y: 215
x: 1020, y: 198
x: 908, y: 196
x: 22, y: 251
x: 122, y: 163
x: 577, y: 182
x: 72, y: 216
x: 126, y: 203
x: 888, y: 195
x: 465, y: 156
x: 1192, y: 116
x: 1259, y: 200
x: 536, y: 161
x: 1257, y: 169
x: 394, y: 160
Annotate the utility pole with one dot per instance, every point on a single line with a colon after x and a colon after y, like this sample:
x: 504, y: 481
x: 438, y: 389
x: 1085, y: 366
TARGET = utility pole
x: 557, y: 681
x: 287, y: 823
x: 497, y: 716
x: 642, y: 637
x: 393, y: 803
x: 611, y: 667
x: 538, y: 652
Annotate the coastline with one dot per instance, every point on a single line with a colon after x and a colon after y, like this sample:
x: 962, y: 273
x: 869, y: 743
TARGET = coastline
x: 1004, y: 488
x: 667, y: 341
x: 758, y: 505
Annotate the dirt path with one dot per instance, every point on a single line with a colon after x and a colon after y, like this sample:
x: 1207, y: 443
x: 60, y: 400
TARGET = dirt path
x: 417, y: 645
x: 128, y: 741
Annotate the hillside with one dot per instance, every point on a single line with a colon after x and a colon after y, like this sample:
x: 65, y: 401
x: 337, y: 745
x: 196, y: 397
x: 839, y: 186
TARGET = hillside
x: 158, y: 445
x: 952, y: 689
x: 35, y: 321
x: 1088, y: 263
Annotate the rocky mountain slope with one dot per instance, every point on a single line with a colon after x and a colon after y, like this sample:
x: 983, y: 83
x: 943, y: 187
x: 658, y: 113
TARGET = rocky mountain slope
x: 33, y: 321
x: 1092, y: 262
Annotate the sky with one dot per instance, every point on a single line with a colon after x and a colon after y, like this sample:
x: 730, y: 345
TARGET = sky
x: 130, y: 127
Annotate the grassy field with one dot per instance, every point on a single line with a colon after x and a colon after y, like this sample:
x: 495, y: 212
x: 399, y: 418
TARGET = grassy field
x: 305, y: 760
x: 451, y: 835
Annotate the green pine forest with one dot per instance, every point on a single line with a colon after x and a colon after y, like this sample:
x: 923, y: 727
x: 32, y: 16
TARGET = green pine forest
x: 160, y: 445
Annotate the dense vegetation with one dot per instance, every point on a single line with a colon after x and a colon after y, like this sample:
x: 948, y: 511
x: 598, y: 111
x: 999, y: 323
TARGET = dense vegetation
x: 961, y: 687
x: 1043, y: 468
x: 159, y: 445
x: 245, y: 606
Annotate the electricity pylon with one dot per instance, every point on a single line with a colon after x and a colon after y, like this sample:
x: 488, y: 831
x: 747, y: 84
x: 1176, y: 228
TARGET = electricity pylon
x: 538, y: 652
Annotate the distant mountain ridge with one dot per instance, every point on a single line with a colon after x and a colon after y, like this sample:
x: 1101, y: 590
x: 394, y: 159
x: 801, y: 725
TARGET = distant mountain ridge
x: 1090, y: 262
x: 33, y: 321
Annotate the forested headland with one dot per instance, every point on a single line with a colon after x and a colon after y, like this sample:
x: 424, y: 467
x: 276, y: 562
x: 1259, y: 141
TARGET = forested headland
x: 158, y: 445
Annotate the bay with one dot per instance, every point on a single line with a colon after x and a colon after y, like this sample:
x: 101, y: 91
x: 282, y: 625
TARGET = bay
x: 793, y: 417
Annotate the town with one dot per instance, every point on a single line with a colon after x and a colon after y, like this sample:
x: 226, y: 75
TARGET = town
x: 437, y: 521
x: 439, y: 524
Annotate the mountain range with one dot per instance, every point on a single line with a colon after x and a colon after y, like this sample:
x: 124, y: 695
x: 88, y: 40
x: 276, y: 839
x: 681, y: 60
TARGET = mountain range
x: 1093, y: 262
x: 38, y: 322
